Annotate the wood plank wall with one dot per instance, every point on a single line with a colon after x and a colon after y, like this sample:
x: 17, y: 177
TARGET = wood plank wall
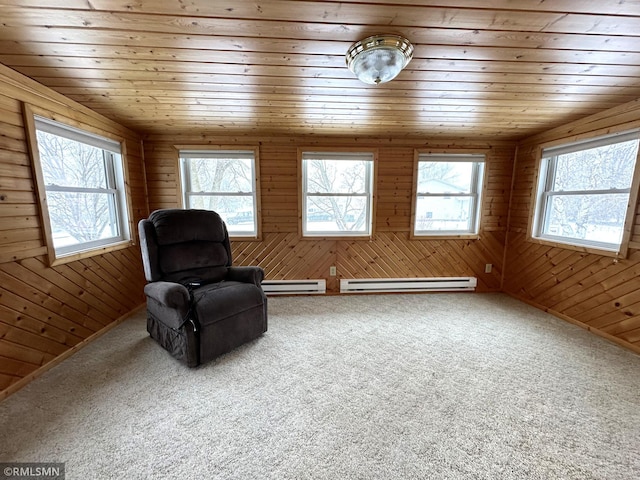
x: 597, y: 292
x: 46, y: 313
x: 391, y: 253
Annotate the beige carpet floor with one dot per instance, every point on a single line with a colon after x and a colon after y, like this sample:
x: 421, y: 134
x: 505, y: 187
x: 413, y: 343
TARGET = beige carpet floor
x: 437, y: 386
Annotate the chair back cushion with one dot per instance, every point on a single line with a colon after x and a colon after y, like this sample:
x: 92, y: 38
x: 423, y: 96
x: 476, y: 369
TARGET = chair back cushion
x: 185, y: 245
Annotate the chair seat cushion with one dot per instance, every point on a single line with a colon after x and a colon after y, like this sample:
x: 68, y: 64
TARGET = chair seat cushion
x: 218, y: 301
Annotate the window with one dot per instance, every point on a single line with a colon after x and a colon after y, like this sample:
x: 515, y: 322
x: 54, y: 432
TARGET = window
x: 337, y: 193
x: 448, y: 194
x: 224, y: 181
x: 84, y: 186
x: 583, y: 191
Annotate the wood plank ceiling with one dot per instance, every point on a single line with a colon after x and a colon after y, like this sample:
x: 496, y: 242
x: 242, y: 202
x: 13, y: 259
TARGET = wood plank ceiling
x: 499, y: 69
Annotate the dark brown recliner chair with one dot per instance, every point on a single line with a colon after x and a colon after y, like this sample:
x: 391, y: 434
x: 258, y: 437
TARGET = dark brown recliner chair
x: 198, y: 305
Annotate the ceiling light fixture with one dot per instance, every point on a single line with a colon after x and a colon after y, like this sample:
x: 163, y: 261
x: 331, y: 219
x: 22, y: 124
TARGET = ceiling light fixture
x: 379, y: 58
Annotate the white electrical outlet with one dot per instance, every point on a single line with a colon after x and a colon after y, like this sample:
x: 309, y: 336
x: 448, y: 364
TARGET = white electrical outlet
x: 332, y: 271
x: 487, y: 268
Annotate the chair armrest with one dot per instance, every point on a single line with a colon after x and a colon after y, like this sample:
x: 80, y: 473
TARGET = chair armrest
x: 168, y: 294
x: 253, y: 275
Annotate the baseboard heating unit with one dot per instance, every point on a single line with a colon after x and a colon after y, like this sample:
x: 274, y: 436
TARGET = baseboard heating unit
x: 294, y: 287
x: 384, y: 285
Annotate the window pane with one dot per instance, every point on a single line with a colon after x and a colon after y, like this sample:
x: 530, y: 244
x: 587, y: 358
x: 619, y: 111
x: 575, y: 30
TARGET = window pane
x: 601, y: 168
x: 222, y: 181
x: 443, y: 214
x: 594, y: 176
x: 445, y: 177
x: 336, y: 176
x: 236, y: 211
x: 78, y: 217
x: 336, y: 214
x: 220, y: 175
x: 69, y: 163
x: 597, y: 218
x: 84, y: 184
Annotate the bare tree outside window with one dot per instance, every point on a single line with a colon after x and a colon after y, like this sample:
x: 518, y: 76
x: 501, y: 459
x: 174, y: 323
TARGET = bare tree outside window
x: 80, y: 201
x: 223, y: 182
x: 442, y: 171
x: 587, y: 192
x: 343, y: 177
x: 337, y: 194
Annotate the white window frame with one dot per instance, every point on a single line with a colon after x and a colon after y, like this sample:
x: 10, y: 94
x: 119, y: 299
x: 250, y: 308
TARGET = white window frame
x: 187, y: 153
x: 475, y: 193
x: 370, y: 158
x: 544, y: 195
x: 115, y: 188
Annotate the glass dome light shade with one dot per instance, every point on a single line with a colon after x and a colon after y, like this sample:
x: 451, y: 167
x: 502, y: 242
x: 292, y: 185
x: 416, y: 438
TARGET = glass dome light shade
x: 379, y: 58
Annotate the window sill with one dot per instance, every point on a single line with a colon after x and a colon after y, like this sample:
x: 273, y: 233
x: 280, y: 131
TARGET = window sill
x: 324, y: 236
x: 73, y: 257
x: 433, y: 236
x: 243, y: 238
x: 620, y: 253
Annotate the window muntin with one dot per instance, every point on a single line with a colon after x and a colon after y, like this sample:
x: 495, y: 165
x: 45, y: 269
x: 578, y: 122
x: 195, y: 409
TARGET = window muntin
x: 583, y: 191
x: 84, y: 184
x: 337, y: 193
x: 223, y: 181
x: 448, y: 194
